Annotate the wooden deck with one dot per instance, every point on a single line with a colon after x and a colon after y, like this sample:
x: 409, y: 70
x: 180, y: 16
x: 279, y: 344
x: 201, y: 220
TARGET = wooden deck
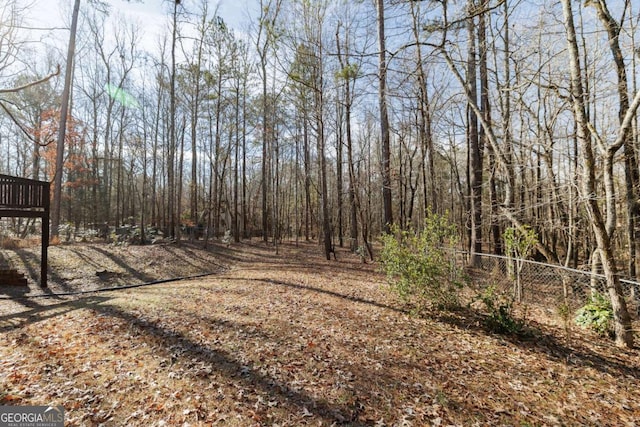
x: 27, y: 198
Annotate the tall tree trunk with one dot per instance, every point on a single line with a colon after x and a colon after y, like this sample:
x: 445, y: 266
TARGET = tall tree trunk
x: 266, y: 163
x: 429, y: 193
x: 475, y: 144
x: 236, y: 165
x: 119, y: 171
x: 171, y: 208
x: 632, y: 179
x: 384, y: 119
x: 353, y: 212
x: 269, y: 10
x: 622, y: 320
x: 352, y: 178
x: 339, y: 189
x: 349, y: 75
x: 275, y: 192
x: 324, y: 196
x: 217, y: 181
x: 195, y: 113
x: 245, y: 219
x: 66, y: 94
x: 180, y: 179
x: 308, y: 227
x: 509, y: 198
x: 486, y: 113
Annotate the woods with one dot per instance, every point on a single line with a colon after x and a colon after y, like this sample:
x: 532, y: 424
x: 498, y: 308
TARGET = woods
x: 334, y: 120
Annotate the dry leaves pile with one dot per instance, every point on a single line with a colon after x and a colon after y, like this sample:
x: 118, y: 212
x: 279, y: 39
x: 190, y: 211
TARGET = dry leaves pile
x: 292, y: 339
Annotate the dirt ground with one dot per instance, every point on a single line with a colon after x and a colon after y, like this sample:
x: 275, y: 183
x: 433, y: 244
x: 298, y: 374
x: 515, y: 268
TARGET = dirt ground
x: 89, y: 266
x: 286, y: 339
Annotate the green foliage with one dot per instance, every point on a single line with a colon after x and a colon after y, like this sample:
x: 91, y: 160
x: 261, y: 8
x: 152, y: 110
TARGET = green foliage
x: 500, y: 317
x: 350, y: 71
x: 596, y: 315
x: 419, y: 268
x: 520, y: 240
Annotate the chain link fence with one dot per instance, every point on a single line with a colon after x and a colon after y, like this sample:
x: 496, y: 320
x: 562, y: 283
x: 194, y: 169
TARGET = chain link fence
x: 547, y: 285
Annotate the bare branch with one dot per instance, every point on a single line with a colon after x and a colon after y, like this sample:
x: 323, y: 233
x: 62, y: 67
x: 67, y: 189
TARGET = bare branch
x: 625, y: 126
x: 34, y: 83
x: 22, y: 128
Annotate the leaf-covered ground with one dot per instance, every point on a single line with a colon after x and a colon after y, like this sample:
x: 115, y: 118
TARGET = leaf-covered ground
x: 90, y: 266
x: 291, y: 339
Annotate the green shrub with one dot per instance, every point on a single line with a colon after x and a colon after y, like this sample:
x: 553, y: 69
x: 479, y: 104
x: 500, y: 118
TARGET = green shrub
x: 596, y: 315
x: 564, y: 311
x: 419, y: 268
x: 519, y: 242
x: 500, y: 318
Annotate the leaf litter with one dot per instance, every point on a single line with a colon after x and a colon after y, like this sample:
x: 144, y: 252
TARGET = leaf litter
x: 291, y: 339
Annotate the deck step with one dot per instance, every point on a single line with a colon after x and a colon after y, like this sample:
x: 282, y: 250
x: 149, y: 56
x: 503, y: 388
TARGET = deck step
x: 10, y: 277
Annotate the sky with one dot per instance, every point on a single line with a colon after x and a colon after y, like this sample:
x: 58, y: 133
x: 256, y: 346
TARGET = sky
x: 151, y: 14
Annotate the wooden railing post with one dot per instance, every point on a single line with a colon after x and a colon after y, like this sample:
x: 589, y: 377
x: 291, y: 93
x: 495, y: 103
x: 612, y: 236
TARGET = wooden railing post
x: 44, y: 262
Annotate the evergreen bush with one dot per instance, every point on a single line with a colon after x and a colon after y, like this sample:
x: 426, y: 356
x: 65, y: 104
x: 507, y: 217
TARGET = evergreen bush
x: 596, y: 315
x: 419, y: 267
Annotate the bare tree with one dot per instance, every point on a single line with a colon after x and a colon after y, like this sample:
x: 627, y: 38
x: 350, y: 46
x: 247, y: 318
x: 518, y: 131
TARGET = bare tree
x: 171, y: 167
x: 66, y: 94
x: 265, y: 40
x: 347, y: 75
x: 474, y: 143
x: 425, y: 135
x: 194, y: 75
x: 310, y: 50
x: 601, y: 224
x: 632, y: 177
x: 384, y: 118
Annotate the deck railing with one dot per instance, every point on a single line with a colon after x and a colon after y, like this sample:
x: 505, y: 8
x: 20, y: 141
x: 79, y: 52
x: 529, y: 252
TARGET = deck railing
x: 28, y: 198
x: 21, y: 193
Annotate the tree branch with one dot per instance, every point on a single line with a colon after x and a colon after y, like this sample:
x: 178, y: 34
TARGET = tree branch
x: 625, y: 126
x: 21, y: 127
x: 34, y: 83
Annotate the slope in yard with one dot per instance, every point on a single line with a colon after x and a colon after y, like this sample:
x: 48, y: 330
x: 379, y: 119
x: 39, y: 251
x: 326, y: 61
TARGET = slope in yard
x: 292, y: 339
